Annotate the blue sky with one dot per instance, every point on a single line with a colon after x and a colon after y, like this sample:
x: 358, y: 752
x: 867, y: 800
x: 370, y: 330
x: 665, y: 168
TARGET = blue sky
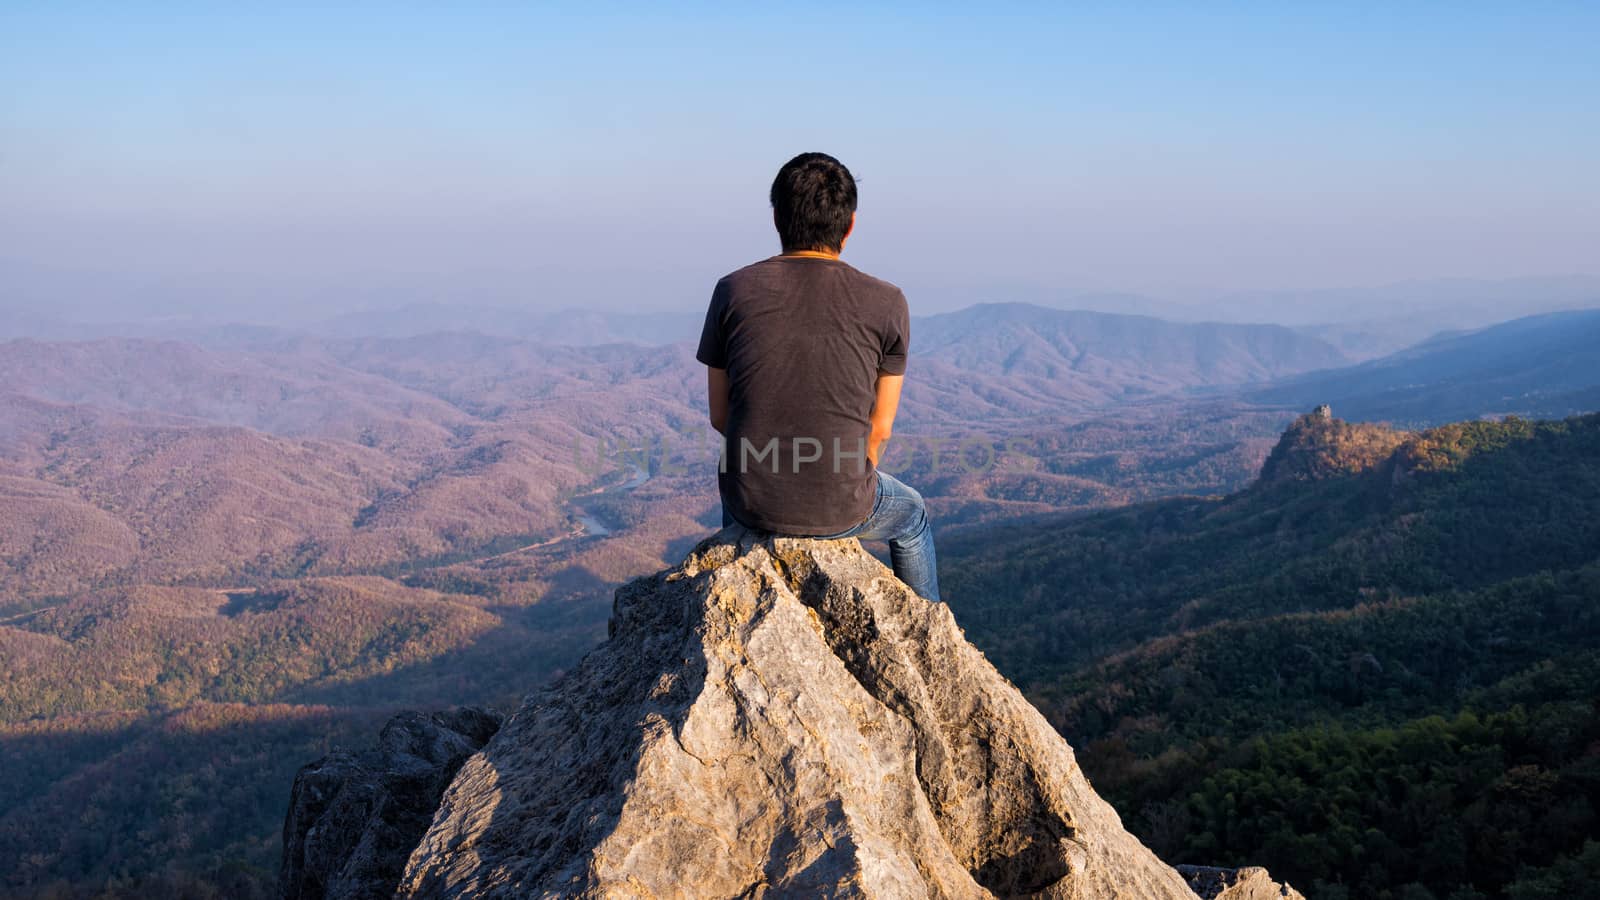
x: 171, y: 156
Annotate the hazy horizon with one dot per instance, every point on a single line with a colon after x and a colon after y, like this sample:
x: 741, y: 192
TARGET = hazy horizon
x: 292, y: 165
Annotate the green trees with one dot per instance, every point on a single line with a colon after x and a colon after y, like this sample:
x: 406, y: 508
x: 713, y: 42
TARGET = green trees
x: 1381, y: 679
x: 1468, y: 802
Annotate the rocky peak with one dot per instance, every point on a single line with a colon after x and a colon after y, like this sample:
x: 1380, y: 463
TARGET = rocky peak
x: 782, y: 718
x: 1317, y: 446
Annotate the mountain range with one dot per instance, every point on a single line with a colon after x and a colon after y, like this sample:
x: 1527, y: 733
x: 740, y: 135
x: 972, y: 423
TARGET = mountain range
x: 265, y: 454
x: 1545, y: 365
x: 1144, y: 354
x: 1363, y: 322
x: 256, y: 540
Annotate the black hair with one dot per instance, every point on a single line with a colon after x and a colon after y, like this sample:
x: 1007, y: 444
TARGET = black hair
x: 813, y: 198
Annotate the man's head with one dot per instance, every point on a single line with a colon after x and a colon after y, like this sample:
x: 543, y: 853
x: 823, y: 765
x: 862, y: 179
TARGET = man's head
x: 813, y: 203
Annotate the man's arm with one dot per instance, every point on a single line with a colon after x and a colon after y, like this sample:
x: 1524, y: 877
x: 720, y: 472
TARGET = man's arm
x: 717, y: 398
x: 883, y: 410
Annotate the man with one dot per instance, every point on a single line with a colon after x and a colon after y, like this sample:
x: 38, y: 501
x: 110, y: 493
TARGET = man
x: 805, y: 357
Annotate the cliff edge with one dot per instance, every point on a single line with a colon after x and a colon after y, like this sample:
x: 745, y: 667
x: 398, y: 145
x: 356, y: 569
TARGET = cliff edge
x: 782, y: 718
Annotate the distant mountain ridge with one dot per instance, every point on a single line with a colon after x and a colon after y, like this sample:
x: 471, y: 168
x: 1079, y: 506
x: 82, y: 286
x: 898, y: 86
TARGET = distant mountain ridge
x: 1430, y: 304
x: 1022, y: 339
x: 572, y: 326
x: 1023, y: 359
x: 1544, y: 366
x: 989, y: 338
x: 1369, y: 320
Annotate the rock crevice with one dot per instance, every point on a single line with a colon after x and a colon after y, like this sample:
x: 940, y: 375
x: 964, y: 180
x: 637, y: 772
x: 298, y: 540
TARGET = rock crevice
x: 354, y: 819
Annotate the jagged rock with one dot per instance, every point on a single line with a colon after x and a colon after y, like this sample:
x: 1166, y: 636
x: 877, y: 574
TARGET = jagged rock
x: 1250, y: 883
x: 780, y: 718
x: 355, y: 818
x: 1317, y: 446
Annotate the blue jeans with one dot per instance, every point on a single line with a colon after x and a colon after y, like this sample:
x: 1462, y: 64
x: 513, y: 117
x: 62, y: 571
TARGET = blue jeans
x: 899, y: 517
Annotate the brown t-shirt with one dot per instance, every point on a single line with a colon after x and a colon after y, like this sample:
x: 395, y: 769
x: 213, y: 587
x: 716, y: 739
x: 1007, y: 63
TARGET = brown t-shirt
x: 803, y: 340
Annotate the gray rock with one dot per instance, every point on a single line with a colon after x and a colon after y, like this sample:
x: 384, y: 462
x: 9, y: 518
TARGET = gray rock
x: 780, y: 718
x: 354, y: 818
x: 1249, y: 883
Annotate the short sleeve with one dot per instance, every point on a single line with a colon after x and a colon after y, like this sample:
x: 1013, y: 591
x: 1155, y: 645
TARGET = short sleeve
x: 713, y: 335
x: 896, y: 338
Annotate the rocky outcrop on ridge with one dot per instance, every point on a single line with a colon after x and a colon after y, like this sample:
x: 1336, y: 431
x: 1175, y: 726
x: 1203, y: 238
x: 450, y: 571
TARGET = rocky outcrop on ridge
x: 781, y: 718
x: 1249, y: 883
x: 1317, y: 446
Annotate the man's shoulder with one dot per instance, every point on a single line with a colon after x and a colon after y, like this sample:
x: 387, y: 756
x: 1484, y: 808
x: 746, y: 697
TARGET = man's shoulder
x: 757, y: 269
x: 879, y: 285
x: 773, y: 267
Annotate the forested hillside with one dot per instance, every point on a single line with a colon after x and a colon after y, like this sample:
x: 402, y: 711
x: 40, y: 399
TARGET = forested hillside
x: 1375, y: 671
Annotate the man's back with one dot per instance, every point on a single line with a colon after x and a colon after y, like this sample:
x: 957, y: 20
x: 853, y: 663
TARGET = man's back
x: 803, y: 340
